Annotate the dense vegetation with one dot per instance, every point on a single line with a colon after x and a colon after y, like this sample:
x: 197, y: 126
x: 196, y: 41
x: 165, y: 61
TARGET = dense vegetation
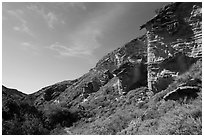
x: 24, y: 119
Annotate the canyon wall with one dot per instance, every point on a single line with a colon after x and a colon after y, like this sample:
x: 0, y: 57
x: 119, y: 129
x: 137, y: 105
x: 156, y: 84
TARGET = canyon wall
x: 174, y: 42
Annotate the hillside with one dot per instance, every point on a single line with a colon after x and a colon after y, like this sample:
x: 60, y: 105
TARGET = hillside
x: 151, y: 85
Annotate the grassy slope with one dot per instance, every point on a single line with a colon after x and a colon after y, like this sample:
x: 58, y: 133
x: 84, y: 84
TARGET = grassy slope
x: 153, y: 116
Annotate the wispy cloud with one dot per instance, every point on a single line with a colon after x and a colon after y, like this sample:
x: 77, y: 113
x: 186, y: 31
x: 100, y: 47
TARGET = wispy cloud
x: 78, y: 51
x: 84, y: 40
x: 23, y: 27
x: 50, y: 17
x: 17, y: 13
x: 28, y: 45
x: 81, y: 44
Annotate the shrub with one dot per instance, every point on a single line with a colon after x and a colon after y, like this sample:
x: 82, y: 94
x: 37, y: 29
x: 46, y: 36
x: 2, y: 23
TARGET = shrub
x: 59, y: 115
x: 132, y: 128
x: 184, y: 119
x: 11, y: 127
x: 22, y: 119
x: 33, y: 126
x: 148, y: 127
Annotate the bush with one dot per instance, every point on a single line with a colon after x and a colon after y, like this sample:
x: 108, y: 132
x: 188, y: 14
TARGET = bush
x: 11, y: 127
x: 22, y: 119
x: 59, y: 115
x: 33, y: 126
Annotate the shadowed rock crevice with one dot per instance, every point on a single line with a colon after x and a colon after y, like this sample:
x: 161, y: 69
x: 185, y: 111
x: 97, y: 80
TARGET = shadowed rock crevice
x: 178, y: 63
x: 132, y: 75
x: 183, y: 93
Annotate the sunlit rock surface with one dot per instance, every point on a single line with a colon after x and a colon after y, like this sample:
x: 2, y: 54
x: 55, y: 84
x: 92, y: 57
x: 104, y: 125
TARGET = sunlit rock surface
x: 174, y: 38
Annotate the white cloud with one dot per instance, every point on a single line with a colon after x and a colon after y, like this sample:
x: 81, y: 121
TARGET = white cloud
x: 24, y: 25
x: 28, y: 45
x: 23, y: 28
x: 50, y: 17
x: 81, y: 44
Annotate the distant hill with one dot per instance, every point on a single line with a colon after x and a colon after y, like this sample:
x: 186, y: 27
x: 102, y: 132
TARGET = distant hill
x: 13, y: 93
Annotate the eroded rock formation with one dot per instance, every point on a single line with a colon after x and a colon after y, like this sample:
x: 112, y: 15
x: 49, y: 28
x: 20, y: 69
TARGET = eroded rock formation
x: 182, y: 93
x: 174, y: 38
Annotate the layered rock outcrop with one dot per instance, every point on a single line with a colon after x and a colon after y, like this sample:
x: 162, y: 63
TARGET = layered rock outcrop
x: 174, y: 42
x: 128, y: 63
x: 123, y: 69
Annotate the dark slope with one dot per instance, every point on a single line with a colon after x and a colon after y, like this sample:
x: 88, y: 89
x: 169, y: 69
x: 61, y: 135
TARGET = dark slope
x: 18, y: 116
x: 11, y: 99
x: 12, y: 93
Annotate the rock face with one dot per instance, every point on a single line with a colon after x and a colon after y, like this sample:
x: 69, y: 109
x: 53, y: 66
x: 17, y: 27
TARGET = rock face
x: 127, y: 63
x: 123, y: 69
x: 174, y: 38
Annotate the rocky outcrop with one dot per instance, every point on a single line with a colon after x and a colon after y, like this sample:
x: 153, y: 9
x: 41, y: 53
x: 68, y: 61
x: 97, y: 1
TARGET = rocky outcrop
x: 174, y: 41
x: 183, y: 93
x: 131, y: 52
x: 123, y: 69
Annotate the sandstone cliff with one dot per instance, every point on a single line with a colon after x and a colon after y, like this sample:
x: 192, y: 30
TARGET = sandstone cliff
x: 174, y: 38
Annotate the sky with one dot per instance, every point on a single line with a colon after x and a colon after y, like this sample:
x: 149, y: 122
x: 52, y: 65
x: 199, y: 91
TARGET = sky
x: 45, y: 43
